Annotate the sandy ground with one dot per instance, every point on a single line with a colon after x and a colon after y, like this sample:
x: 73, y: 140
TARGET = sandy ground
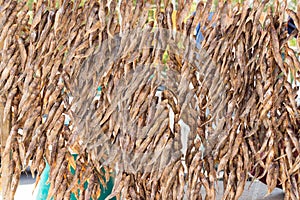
x: 256, y: 192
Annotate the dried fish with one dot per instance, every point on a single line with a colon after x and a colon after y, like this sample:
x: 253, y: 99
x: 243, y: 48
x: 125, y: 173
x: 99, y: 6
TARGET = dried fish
x: 233, y: 94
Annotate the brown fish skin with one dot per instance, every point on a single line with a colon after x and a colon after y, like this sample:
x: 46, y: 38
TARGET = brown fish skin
x: 58, y: 180
x: 39, y: 156
x: 241, y: 178
x: 13, y: 133
x: 90, y: 186
x: 38, y: 16
x: 288, y: 150
x: 294, y: 139
x: 236, y: 146
x: 53, y: 133
x: 10, y: 82
x: 59, y: 39
x: 30, y: 121
x: 17, y: 172
x: 272, y: 177
x: 118, y: 188
x: 75, y: 178
x: 181, y: 183
x: 7, y: 69
x: 293, y: 58
x: 8, y: 104
x: 62, y: 189
x: 276, y: 50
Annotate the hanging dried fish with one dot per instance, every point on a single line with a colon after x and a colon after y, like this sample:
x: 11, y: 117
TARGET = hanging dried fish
x: 134, y: 83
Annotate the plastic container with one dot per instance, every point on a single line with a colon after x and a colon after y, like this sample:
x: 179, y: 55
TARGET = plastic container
x: 43, y: 187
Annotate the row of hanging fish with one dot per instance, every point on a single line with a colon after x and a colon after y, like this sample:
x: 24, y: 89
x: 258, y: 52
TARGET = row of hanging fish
x: 125, y: 85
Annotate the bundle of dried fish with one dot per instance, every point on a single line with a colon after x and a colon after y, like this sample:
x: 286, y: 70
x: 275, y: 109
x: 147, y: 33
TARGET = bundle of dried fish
x: 147, y: 104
